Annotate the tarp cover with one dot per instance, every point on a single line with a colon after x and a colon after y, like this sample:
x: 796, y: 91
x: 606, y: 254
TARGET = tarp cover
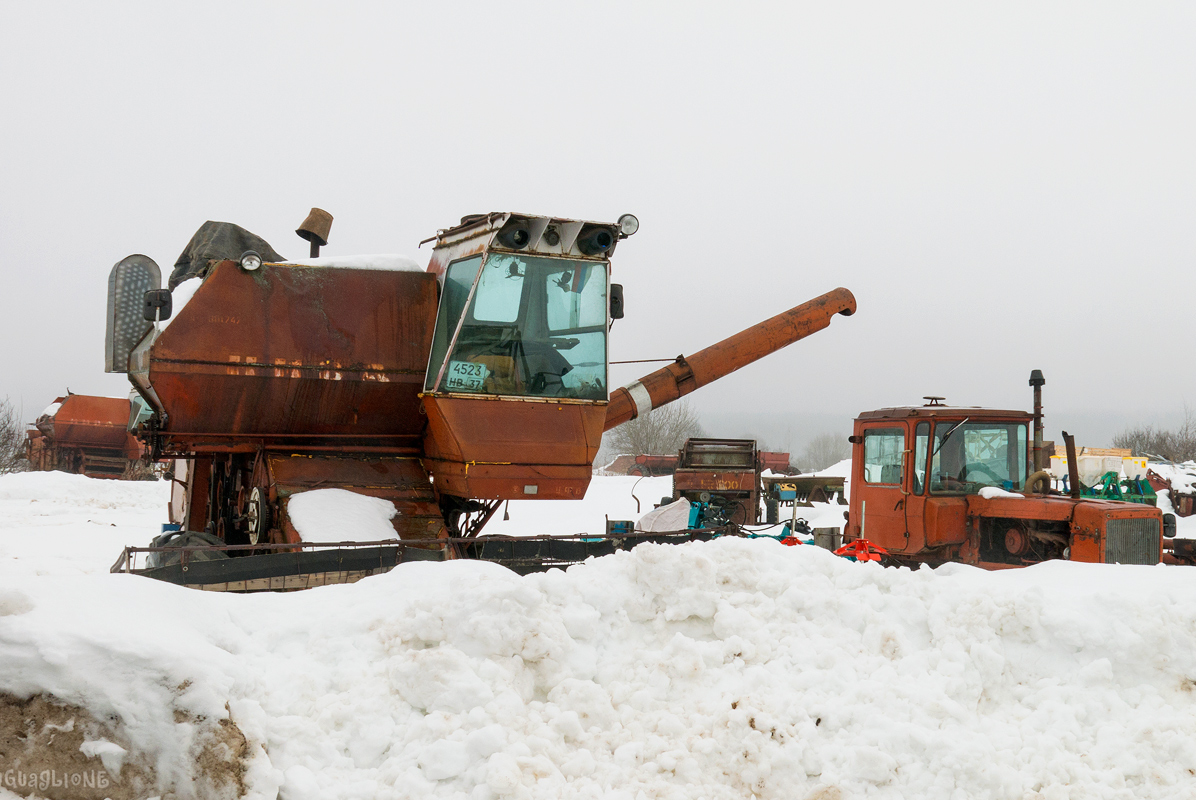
x: 673, y: 517
x: 216, y: 241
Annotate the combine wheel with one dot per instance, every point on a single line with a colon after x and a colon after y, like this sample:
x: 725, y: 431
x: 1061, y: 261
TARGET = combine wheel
x: 257, y: 516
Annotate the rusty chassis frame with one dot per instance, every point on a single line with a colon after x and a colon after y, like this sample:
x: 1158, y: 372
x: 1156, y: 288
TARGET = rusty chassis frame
x: 307, y: 564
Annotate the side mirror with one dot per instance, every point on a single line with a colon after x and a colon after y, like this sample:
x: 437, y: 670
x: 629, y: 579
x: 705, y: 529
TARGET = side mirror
x: 128, y: 281
x: 1168, y: 526
x: 616, y: 301
x: 158, y: 305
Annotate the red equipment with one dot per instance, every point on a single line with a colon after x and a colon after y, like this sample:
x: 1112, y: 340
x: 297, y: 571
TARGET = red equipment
x: 83, y: 434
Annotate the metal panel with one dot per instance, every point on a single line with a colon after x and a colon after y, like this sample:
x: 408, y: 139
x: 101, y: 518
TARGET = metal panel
x: 86, y: 421
x: 289, y: 351
x: 1132, y: 541
x: 285, y: 571
x: 490, y: 448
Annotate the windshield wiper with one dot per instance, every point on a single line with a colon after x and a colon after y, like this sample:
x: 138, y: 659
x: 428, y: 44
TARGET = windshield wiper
x: 947, y: 435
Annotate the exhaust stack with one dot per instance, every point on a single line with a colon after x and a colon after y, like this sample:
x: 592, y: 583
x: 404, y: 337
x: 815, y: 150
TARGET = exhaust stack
x: 1037, y: 381
x: 1073, y: 469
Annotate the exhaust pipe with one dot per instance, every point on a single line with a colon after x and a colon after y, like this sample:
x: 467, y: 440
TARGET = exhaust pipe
x: 1037, y: 381
x: 1073, y: 469
x: 719, y: 360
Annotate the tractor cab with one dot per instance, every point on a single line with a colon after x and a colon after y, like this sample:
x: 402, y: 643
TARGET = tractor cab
x: 937, y: 483
x: 913, y: 468
x: 516, y: 386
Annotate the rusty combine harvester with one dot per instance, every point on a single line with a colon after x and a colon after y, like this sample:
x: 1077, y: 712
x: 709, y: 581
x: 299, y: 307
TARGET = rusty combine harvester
x: 445, y: 391
x: 83, y: 434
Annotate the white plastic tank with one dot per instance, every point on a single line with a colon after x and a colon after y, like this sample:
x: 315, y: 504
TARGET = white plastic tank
x: 1134, y: 468
x: 1090, y: 468
x: 1058, y: 467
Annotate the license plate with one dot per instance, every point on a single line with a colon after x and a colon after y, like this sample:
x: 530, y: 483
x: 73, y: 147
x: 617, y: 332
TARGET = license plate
x: 466, y: 375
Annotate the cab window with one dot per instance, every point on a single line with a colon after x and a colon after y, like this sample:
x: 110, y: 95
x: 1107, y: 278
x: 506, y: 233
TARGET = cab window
x: 921, y: 445
x: 458, y: 282
x: 968, y: 456
x: 534, y: 326
x: 883, y: 448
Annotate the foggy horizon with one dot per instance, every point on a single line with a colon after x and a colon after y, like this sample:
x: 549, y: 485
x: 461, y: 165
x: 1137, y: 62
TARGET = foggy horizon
x: 1002, y: 188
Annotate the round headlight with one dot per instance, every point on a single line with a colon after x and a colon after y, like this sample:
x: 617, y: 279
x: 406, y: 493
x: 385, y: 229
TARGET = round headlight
x: 250, y: 260
x: 628, y: 224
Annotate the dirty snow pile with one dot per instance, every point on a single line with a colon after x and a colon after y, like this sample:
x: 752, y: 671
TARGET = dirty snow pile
x: 726, y: 669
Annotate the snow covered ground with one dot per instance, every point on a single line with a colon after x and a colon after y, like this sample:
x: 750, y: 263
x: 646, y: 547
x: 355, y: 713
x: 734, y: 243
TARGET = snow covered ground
x: 613, y: 497
x: 728, y: 669
x: 52, y: 523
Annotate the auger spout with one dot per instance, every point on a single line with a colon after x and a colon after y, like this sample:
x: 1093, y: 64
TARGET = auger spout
x: 719, y: 360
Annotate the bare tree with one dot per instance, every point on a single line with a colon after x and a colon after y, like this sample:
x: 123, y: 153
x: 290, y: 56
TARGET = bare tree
x: 823, y: 451
x: 661, y: 431
x: 12, y: 439
x: 1174, y: 445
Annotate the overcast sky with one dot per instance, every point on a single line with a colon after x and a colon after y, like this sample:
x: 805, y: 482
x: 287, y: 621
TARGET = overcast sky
x: 1003, y: 186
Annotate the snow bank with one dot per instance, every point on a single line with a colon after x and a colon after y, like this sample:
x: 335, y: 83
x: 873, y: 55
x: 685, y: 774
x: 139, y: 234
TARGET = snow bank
x: 50, y: 410
x: 725, y: 669
x: 62, y: 524
x: 338, y: 515
x: 383, y: 261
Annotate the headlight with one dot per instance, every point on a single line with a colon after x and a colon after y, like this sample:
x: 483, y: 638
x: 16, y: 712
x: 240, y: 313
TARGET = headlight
x: 628, y: 224
x: 250, y: 260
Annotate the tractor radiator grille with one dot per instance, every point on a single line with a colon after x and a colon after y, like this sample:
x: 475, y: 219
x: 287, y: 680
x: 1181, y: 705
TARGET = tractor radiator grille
x: 1132, y: 541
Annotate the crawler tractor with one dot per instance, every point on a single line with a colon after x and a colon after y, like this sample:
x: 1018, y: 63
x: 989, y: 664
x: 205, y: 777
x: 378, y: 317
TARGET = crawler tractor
x: 446, y: 391
x: 938, y: 483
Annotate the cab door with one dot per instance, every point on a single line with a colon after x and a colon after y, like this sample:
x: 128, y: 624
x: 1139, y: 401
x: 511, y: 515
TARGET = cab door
x: 881, y: 484
x: 915, y: 501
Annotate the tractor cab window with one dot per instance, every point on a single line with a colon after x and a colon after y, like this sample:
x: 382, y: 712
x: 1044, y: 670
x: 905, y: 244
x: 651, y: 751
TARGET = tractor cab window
x: 967, y: 457
x: 532, y: 327
x: 921, y: 445
x: 883, y: 449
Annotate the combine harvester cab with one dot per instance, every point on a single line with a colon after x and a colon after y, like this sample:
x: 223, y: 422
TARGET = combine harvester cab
x: 936, y: 483
x: 445, y: 391
x: 84, y: 434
